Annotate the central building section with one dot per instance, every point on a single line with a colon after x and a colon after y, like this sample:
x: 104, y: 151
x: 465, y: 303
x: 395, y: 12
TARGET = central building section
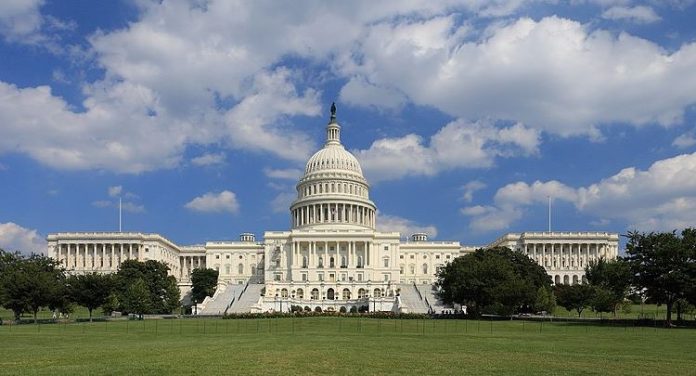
x: 332, y: 257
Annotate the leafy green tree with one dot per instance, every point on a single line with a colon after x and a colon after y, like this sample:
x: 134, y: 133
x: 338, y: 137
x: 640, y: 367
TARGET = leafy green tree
x: 663, y: 265
x: 495, y: 280
x: 203, y: 283
x: 90, y: 290
x: 31, y: 283
x: 136, y: 298
x: 163, y: 292
x: 545, y: 300
x: 574, y: 297
x: 603, y: 300
x: 613, y: 278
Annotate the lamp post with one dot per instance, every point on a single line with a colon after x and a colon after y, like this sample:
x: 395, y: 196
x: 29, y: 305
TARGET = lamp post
x: 276, y: 301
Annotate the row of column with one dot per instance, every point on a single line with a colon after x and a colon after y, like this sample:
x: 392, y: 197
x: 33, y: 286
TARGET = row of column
x: 188, y: 263
x: 355, y: 258
x: 551, y: 255
x: 333, y: 213
x: 96, y: 256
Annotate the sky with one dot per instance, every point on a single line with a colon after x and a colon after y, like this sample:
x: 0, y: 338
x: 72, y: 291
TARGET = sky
x: 466, y: 116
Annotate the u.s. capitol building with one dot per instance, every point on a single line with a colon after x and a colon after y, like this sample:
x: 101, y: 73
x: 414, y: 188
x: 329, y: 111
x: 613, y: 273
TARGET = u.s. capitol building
x: 332, y: 257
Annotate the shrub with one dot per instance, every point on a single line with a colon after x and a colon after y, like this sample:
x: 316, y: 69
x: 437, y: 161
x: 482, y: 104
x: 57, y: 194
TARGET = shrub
x: 317, y: 310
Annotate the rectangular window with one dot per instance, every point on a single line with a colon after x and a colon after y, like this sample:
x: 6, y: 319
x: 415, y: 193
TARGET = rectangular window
x: 386, y: 278
x: 276, y: 277
x: 304, y: 277
x: 360, y: 277
x: 320, y: 276
x: 412, y: 257
x: 386, y: 247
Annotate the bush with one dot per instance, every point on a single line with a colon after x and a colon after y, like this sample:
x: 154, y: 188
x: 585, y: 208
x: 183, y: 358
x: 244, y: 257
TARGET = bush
x: 353, y: 309
x: 317, y: 310
x: 363, y: 309
x: 343, y: 310
x: 307, y: 309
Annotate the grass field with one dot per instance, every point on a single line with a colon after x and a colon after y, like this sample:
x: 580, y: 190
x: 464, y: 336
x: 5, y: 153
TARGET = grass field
x: 348, y: 345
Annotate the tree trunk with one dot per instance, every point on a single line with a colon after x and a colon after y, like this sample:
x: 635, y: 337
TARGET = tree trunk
x: 17, y: 314
x: 36, y: 311
x: 668, y: 319
x: 90, y: 314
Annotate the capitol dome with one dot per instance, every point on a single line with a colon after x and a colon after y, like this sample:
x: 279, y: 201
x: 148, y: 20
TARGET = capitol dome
x: 333, y: 190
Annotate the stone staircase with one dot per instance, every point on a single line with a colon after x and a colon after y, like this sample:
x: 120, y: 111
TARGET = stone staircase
x: 430, y: 296
x: 248, y: 298
x: 223, y: 297
x: 411, y: 300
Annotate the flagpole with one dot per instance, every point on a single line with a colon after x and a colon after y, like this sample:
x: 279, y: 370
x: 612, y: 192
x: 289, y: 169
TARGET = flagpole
x: 549, y: 197
x: 119, y: 214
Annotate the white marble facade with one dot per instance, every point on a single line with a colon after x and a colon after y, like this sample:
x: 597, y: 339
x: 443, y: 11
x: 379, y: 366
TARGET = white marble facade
x: 333, y: 254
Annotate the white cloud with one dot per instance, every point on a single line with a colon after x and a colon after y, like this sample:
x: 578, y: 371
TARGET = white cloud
x: 553, y: 74
x: 281, y: 202
x: 685, y: 140
x: 115, y: 191
x: 663, y: 197
x: 209, y: 159
x: 20, y: 19
x: 14, y: 237
x: 638, y: 14
x: 211, y: 202
x: 470, y: 188
x: 362, y: 93
x: 404, y: 226
x: 459, y: 144
x: 286, y: 174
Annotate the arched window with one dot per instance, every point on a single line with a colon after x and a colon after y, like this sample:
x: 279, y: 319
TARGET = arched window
x: 566, y: 280
x: 315, y: 294
x: 304, y: 261
x: 299, y: 294
x: 401, y: 269
x: 575, y: 280
x: 386, y: 262
x: 253, y: 270
x: 425, y: 268
x: 345, y: 295
x: 321, y: 262
x: 284, y: 293
x: 330, y: 295
x: 557, y: 280
x: 240, y: 269
x: 343, y: 262
x: 331, y: 262
x: 360, y: 262
x: 412, y: 269
x: 377, y: 293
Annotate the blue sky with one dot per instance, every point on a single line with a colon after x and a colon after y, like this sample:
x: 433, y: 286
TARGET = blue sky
x: 466, y: 115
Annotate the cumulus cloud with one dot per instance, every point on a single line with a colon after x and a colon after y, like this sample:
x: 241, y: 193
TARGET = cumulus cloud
x: 685, y: 140
x: 554, y: 74
x: 115, y: 191
x: 14, y: 237
x: 470, y: 188
x: 286, y: 174
x: 459, y: 144
x: 209, y: 159
x: 362, y: 93
x: 404, y: 226
x: 225, y: 201
x: 282, y: 201
x: 637, y: 14
x: 663, y: 197
x: 20, y: 19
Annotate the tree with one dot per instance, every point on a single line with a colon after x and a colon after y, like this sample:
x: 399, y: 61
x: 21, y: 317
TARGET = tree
x: 495, y: 280
x: 31, y: 283
x: 203, y: 283
x: 136, y: 298
x: 613, y: 278
x: 545, y: 300
x: 162, y: 290
x: 603, y: 300
x: 574, y: 297
x: 90, y: 290
x: 663, y: 265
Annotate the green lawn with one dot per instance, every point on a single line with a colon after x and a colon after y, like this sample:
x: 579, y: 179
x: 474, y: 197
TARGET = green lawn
x: 343, y: 346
